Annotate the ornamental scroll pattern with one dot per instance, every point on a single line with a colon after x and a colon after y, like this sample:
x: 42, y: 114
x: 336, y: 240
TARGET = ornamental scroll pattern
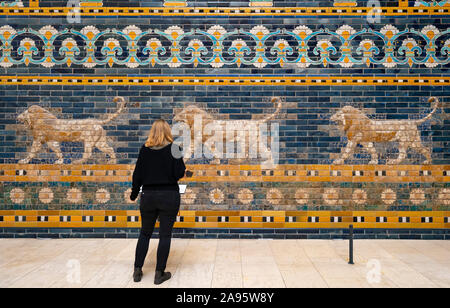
x: 18, y: 3
x: 217, y: 47
x: 432, y: 3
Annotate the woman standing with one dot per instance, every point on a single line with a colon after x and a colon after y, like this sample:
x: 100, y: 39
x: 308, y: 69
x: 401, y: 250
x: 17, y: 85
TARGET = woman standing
x: 158, y: 172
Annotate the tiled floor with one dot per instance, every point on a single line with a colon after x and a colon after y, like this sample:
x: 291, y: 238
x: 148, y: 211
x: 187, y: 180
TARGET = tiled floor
x: 227, y: 263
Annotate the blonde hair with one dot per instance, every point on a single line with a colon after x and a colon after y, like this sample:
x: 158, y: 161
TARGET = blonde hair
x: 160, y: 134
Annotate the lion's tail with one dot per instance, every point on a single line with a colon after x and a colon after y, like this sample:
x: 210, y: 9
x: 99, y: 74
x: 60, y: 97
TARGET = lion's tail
x: 122, y: 104
x: 435, y: 105
x: 273, y: 115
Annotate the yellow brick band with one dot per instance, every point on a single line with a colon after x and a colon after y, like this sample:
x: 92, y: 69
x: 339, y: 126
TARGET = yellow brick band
x: 225, y: 11
x: 215, y: 81
x: 211, y: 219
x: 235, y: 173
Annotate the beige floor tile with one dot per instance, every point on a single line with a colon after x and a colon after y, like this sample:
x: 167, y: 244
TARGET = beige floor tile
x: 227, y: 275
x: 346, y: 283
x: 225, y: 263
x: 263, y: 281
x: 197, y: 275
x: 303, y: 277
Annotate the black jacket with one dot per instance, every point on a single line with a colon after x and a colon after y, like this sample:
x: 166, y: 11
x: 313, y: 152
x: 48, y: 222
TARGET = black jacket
x: 157, y: 170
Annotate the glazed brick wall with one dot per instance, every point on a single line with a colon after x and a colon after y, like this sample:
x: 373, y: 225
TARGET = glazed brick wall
x: 307, y: 135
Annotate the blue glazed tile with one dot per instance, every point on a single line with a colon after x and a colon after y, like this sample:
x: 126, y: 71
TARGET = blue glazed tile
x: 308, y: 231
x: 218, y: 230
x: 433, y: 237
x: 249, y: 236
x: 319, y: 236
x: 274, y: 236
x: 59, y: 230
x: 240, y: 231
x: 115, y: 235
x: 410, y: 236
x: 47, y: 235
x: 195, y: 230
x: 205, y: 236
x: 178, y: 235
x: 256, y: 231
x: 296, y: 236
x: 228, y: 236
x: 24, y: 235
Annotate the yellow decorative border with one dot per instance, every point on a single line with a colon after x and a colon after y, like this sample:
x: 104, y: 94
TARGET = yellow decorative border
x: 224, y: 11
x: 227, y: 80
x: 233, y: 173
x: 52, y: 219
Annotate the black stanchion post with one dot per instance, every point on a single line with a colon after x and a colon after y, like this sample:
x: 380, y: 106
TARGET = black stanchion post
x: 350, y: 237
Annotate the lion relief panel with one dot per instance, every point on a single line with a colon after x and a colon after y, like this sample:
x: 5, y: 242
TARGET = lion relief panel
x: 253, y: 140
x: 360, y: 130
x: 46, y: 128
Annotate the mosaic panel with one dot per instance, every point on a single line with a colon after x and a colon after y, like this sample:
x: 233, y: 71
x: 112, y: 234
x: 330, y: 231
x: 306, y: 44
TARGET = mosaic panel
x: 363, y: 125
x: 217, y: 47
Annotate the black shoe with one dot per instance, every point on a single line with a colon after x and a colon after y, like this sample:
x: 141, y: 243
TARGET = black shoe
x: 160, y: 277
x: 137, y: 275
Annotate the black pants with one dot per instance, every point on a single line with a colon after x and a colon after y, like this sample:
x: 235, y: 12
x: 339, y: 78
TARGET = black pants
x: 154, y: 204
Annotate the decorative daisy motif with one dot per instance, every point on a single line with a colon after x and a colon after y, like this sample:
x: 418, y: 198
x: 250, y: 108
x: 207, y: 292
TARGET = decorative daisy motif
x: 102, y: 196
x: 195, y: 44
x: 301, y: 196
x: 132, y: 31
x: 217, y: 31
x: 324, y: 44
x: 17, y: 195
x: 388, y: 196
x: 90, y: 32
x: 189, y: 196
x: 238, y: 44
x: 281, y: 44
x: 444, y: 196
x: 27, y: 43
x: 417, y: 196
x: 259, y: 31
x: 389, y: 31
x: 46, y: 195
x: 359, y: 196
x: 216, y: 196
x: 409, y: 43
x: 69, y: 48
x: 153, y: 43
x: 245, y: 196
x: 7, y: 32
x: 274, y: 196
x: 430, y: 31
x: 345, y: 31
x: 303, y: 31
x: 367, y: 48
x: 366, y: 45
x: 126, y: 196
x: 174, y: 31
x: 74, y: 195
x: 48, y: 32
x: 330, y: 196
x: 111, y: 43
x: 69, y: 43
